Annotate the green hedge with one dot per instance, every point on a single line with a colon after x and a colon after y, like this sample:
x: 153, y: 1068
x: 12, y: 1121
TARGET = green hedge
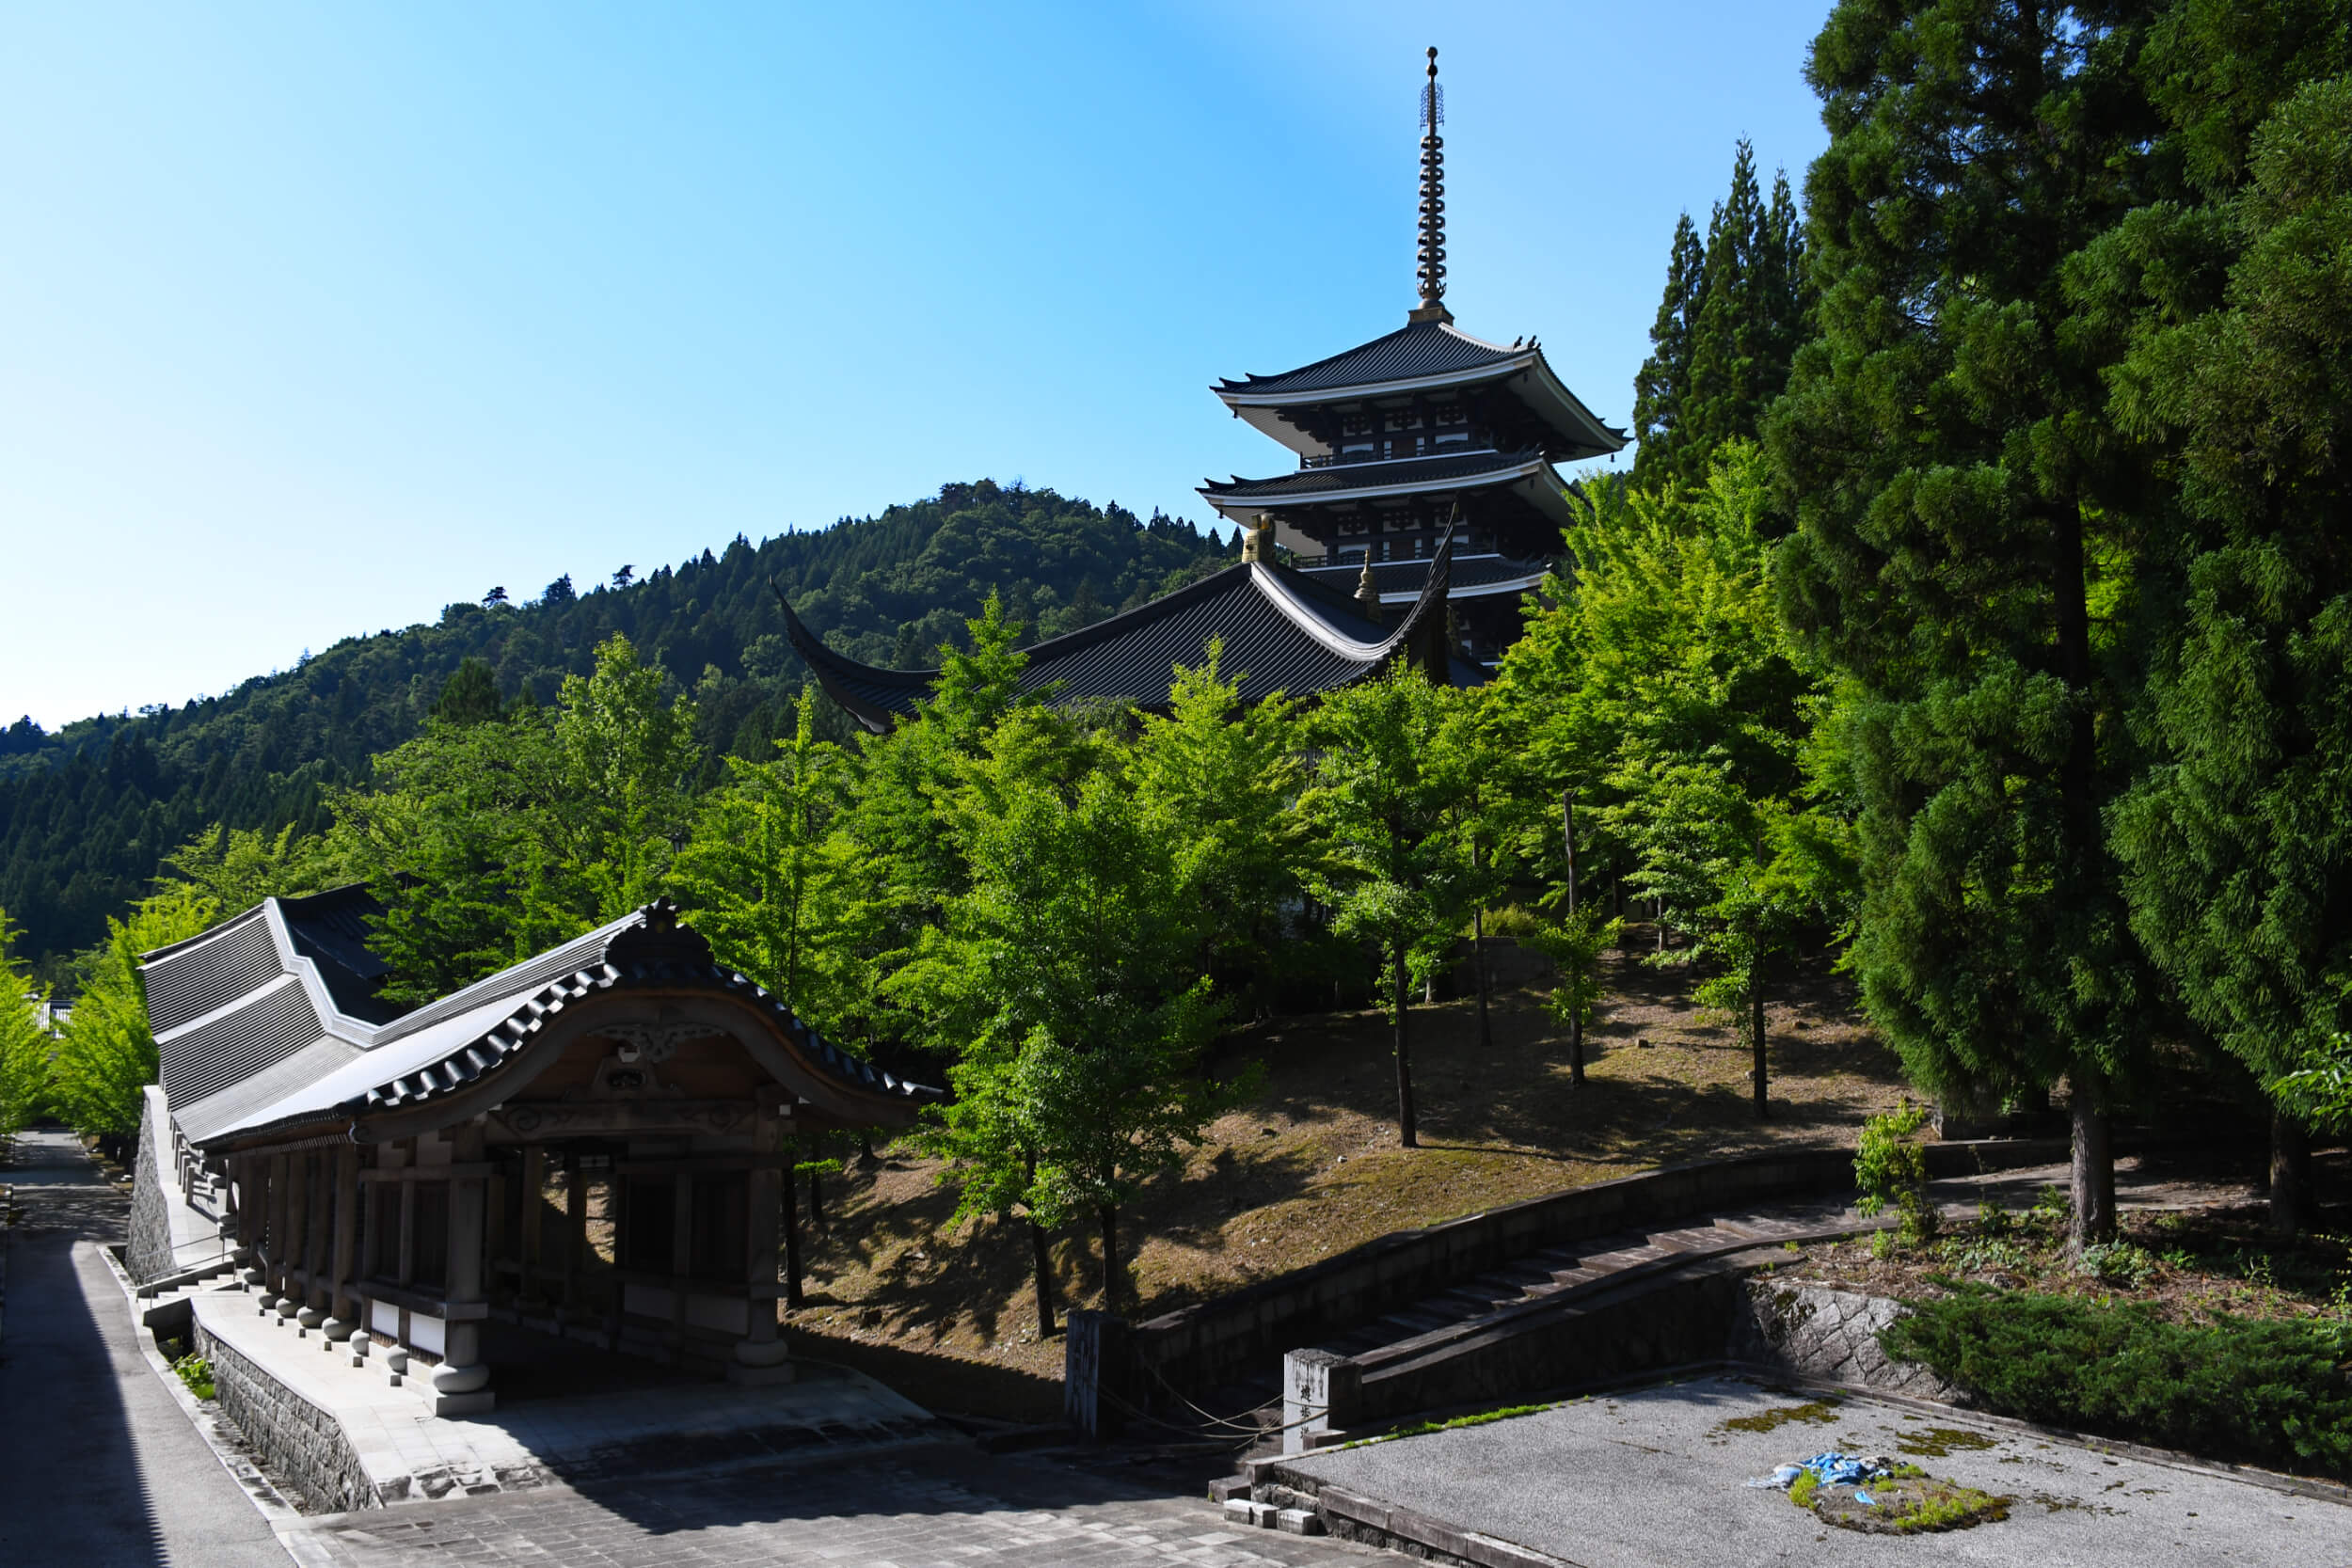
x: 2270, y: 1392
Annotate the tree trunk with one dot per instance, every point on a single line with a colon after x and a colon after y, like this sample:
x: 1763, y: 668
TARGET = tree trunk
x: 1661, y: 924
x: 2093, y: 1172
x: 791, y: 1231
x: 1112, y: 1283
x: 1575, y: 1016
x: 1756, y: 1030
x: 816, y: 1201
x: 1406, y: 1132
x: 2290, y: 1175
x: 1478, y: 956
x: 2083, y: 874
x: 1042, y: 1258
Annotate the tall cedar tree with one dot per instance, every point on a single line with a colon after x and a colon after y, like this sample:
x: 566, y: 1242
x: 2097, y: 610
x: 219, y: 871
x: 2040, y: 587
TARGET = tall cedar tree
x: 1660, y: 385
x: 1960, y: 496
x: 1733, y: 313
x: 2237, y: 843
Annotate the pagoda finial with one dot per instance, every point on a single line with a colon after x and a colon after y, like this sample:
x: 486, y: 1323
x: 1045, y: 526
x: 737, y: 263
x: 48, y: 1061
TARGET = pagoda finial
x: 1432, y: 259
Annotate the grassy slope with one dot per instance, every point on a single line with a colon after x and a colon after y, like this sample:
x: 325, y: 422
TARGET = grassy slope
x: 1314, y: 1168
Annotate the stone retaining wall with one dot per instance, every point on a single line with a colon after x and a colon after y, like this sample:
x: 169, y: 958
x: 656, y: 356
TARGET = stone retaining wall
x: 1831, y: 1334
x: 1196, y: 1348
x: 295, y: 1438
x: 149, y: 1254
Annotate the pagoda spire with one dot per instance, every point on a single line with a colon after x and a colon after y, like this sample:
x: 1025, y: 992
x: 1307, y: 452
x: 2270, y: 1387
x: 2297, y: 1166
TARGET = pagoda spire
x: 1431, y: 271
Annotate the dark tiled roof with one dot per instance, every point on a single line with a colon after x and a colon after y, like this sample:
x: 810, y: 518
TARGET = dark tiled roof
x: 1450, y: 471
x: 647, y: 948
x: 1421, y: 349
x: 243, y: 1045
x: 1407, y: 576
x: 1282, y: 631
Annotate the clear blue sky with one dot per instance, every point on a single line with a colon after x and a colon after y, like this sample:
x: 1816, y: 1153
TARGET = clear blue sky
x: 313, y: 318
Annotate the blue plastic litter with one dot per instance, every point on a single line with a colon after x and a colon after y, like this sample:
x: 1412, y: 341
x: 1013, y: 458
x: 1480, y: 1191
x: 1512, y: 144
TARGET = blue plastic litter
x: 1861, y: 1497
x: 1834, y: 1469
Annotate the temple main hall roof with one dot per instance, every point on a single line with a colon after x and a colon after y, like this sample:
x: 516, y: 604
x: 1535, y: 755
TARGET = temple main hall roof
x: 1282, y: 631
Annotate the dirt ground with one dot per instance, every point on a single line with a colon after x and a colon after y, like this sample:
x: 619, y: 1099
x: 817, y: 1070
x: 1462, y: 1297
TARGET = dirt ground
x: 1313, y: 1166
x: 2198, y: 1261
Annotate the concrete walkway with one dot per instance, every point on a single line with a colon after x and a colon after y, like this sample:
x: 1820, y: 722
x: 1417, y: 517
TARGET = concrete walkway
x: 1653, y: 1477
x: 99, y: 1467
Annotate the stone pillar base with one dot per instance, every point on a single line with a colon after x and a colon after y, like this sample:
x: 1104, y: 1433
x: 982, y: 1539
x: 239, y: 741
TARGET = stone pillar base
x: 338, y: 1329
x: 761, y: 1377
x: 311, y: 1317
x: 460, y: 1380
x: 463, y: 1404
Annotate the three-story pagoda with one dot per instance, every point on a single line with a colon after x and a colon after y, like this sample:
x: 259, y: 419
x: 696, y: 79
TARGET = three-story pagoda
x: 1405, y: 436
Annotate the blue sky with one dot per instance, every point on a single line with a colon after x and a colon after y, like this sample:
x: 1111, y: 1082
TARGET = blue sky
x: 318, y: 317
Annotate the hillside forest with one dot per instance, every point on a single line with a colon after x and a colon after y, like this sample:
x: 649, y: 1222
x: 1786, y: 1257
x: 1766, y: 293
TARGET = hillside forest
x: 1986, y: 620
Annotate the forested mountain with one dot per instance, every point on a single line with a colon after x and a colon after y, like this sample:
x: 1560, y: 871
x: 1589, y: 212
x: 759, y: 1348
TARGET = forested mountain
x: 86, y: 814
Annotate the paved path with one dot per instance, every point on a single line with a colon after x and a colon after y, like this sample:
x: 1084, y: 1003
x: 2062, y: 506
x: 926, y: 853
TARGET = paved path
x: 941, y: 1507
x: 99, y: 1468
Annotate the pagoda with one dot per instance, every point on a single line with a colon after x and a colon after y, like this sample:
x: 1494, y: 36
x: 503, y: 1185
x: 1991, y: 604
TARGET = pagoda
x: 1420, y: 432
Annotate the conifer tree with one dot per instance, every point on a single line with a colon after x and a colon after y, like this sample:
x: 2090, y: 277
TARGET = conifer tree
x: 2237, y: 843
x: 1658, y: 389
x: 1945, y: 446
x: 1735, y: 309
x: 1724, y: 395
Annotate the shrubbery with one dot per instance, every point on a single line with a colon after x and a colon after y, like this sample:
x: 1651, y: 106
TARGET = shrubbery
x: 2272, y: 1392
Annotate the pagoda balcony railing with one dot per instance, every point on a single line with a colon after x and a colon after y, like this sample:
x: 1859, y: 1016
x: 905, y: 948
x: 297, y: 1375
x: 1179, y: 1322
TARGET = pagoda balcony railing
x: 1457, y: 447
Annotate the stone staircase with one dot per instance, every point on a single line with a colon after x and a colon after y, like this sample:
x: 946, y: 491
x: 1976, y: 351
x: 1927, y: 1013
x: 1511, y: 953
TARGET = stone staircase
x: 1605, y: 1261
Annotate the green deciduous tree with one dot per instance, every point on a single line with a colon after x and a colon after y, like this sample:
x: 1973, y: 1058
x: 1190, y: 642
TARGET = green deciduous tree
x: 763, y: 877
x: 108, y: 1056
x: 489, y: 841
x: 1961, y: 495
x: 1068, y: 977
x: 1218, y: 779
x: 1381, y: 802
x: 24, y: 1045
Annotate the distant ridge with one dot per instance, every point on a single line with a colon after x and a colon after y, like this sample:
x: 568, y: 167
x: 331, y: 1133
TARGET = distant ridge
x: 88, y: 814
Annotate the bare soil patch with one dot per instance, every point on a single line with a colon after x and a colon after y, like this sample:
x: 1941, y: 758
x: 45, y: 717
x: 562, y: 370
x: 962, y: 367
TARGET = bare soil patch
x: 2198, y: 1264
x: 1313, y: 1166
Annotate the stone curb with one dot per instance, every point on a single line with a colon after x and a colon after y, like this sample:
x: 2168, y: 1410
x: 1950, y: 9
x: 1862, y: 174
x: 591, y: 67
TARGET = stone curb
x: 219, y: 1434
x: 7, y: 1202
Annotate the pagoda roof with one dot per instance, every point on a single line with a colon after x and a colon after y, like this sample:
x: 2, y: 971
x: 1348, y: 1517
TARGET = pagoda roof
x: 1281, y: 629
x: 1416, y: 352
x: 1427, y: 354
x: 1346, y: 484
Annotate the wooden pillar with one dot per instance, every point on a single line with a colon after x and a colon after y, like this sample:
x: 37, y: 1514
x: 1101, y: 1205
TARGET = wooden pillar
x: 252, y: 1193
x: 681, y: 1253
x: 494, y: 1236
x: 461, y: 1370
x: 534, y: 1183
x: 279, y: 1250
x: 575, y: 1227
x: 406, y: 1272
x: 761, y: 1355
x: 343, y: 1309
x: 318, y: 1172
